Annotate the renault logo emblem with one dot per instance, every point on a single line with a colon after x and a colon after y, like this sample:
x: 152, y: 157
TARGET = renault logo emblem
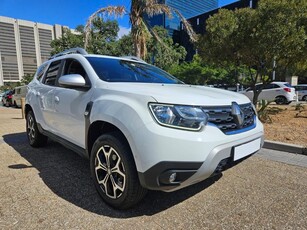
x: 237, y: 114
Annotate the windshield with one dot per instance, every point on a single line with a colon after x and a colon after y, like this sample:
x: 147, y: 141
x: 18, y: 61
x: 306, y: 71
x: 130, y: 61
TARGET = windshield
x: 116, y: 70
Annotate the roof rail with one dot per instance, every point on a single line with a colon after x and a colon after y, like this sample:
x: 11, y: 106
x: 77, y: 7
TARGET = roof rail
x: 134, y: 58
x: 76, y: 50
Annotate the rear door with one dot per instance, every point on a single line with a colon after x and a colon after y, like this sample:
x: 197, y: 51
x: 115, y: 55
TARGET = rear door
x: 269, y: 92
x: 45, y: 95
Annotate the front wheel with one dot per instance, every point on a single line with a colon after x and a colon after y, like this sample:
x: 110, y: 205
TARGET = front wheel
x: 36, y: 139
x: 114, y: 172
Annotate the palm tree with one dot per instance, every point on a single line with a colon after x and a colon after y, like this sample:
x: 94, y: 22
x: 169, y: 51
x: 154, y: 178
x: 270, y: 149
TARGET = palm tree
x: 140, y: 29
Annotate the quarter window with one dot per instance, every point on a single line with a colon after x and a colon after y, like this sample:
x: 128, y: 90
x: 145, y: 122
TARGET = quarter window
x: 40, y: 71
x: 52, y: 73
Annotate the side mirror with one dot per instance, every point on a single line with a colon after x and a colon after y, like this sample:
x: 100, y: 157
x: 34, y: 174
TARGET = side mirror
x: 72, y: 80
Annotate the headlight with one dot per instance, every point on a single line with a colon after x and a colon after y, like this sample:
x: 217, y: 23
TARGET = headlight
x: 179, y: 116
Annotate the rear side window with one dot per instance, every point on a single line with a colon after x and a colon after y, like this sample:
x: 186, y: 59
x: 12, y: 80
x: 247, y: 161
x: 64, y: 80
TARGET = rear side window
x: 52, y: 73
x: 271, y: 86
x: 300, y: 88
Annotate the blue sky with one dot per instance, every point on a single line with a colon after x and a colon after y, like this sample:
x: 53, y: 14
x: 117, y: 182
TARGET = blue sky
x: 64, y: 12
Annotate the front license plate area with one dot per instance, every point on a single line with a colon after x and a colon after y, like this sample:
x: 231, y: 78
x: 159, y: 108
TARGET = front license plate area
x: 246, y: 149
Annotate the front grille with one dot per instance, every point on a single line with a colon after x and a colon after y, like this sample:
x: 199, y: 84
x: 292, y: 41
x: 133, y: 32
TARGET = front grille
x: 223, y: 118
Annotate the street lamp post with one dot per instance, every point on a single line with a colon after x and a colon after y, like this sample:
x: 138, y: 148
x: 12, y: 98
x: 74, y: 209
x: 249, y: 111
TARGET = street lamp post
x: 274, y: 66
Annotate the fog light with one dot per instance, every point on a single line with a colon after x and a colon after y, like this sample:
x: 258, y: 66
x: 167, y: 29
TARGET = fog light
x: 172, y: 177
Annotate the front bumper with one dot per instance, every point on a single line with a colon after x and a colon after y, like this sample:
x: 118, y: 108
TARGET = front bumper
x: 193, y: 160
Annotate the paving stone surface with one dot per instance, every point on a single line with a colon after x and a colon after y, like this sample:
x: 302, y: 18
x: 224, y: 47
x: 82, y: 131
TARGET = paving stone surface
x: 51, y: 188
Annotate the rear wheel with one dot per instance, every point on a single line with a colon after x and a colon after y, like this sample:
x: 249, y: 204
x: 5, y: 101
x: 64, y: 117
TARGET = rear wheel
x: 305, y: 98
x: 114, y: 172
x: 36, y: 139
x: 281, y: 100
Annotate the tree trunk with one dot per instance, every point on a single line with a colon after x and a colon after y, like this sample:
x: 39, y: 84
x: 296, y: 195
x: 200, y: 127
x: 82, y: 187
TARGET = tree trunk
x: 256, y: 95
x: 136, y: 27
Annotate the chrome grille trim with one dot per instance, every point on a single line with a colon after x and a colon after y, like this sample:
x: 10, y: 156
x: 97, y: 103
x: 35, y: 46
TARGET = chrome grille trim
x: 221, y: 117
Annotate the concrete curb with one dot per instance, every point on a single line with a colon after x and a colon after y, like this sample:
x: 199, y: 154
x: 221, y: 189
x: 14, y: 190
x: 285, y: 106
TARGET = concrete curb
x: 291, y: 148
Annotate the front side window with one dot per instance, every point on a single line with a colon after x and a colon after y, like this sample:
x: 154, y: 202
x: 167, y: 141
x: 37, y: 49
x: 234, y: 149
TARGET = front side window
x: 258, y: 87
x: 74, y: 67
x: 116, y: 70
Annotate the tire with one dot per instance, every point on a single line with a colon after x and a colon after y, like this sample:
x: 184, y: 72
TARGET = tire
x: 114, y: 172
x: 281, y: 100
x: 15, y: 104
x: 304, y: 98
x: 35, y: 138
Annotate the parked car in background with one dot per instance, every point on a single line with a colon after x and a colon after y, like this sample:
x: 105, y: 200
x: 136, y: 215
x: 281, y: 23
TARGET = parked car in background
x: 302, y: 92
x: 1, y: 95
x: 280, y: 92
x: 7, y: 98
x: 20, y: 92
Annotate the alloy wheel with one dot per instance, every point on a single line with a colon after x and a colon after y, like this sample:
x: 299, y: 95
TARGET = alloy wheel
x: 31, y: 128
x: 110, y: 172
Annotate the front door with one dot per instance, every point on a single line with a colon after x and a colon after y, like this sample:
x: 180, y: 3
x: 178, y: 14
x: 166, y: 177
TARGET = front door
x: 70, y: 105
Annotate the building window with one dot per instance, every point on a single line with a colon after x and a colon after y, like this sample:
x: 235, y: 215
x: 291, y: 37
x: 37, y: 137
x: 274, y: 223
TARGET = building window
x: 197, y: 21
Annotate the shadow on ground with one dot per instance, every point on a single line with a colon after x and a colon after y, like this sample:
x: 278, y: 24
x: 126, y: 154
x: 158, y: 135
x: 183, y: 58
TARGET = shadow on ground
x: 68, y: 176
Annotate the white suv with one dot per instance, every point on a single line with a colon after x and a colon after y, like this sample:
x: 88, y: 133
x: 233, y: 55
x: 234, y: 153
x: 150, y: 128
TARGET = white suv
x: 302, y: 92
x: 140, y: 127
x: 280, y: 92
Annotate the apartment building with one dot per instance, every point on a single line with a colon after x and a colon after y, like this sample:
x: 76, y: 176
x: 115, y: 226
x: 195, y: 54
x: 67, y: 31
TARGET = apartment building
x: 24, y: 45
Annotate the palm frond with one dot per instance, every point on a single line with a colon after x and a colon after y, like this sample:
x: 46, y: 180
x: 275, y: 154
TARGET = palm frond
x: 187, y: 26
x: 151, y: 2
x: 154, y: 9
x: 109, y: 10
x: 153, y: 33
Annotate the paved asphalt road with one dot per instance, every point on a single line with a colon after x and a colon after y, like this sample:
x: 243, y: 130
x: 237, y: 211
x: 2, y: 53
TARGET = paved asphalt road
x: 51, y: 188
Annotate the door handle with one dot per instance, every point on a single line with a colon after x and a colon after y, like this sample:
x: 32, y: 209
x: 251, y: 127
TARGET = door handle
x: 56, y: 99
